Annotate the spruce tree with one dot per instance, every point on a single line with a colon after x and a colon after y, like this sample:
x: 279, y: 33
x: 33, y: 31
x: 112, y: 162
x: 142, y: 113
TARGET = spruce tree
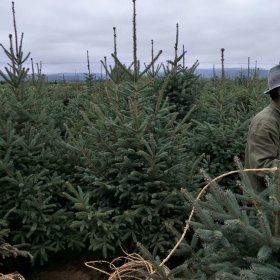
x: 182, y: 86
x: 135, y: 161
x: 239, y: 233
x: 33, y: 163
x: 220, y: 123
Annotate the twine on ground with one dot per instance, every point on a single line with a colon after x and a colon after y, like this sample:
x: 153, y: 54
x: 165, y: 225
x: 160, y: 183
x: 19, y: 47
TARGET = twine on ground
x: 135, y: 267
x: 12, y: 276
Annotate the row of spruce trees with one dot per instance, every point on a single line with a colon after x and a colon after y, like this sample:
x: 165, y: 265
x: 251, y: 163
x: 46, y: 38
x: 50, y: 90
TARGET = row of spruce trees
x: 101, y: 166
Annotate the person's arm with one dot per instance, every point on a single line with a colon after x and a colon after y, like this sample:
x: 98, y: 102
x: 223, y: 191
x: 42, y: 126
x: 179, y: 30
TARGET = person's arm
x: 263, y: 146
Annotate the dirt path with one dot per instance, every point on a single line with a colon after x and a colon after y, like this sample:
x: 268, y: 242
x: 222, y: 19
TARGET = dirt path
x: 67, y: 273
x: 66, y: 267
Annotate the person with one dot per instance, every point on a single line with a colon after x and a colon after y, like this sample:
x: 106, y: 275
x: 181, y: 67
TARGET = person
x: 263, y: 142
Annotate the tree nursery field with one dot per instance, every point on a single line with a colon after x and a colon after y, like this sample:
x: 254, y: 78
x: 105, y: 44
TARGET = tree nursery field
x: 115, y: 170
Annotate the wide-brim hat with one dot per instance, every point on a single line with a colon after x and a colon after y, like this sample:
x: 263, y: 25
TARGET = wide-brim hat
x: 273, y: 78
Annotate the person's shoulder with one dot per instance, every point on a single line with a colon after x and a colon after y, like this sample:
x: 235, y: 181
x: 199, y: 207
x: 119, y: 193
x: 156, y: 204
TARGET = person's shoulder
x: 269, y: 116
x: 269, y: 112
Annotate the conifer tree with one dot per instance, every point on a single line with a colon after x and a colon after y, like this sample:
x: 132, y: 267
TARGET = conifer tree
x: 220, y: 125
x: 239, y: 232
x: 182, y: 86
x: 33, y: 163
x: 90, y: 77
x: 233, y: 236
x: 135, y: 160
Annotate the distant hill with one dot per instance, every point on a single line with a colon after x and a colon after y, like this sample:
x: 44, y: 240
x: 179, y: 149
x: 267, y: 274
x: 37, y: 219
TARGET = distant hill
x: 230, y: 72
x: 203, y: 72
x: 69, y: 76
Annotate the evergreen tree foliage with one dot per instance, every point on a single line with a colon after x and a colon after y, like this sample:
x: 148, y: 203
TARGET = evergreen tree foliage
x: 33, y: 163
x: 182, y: 83
x: 90, y: 78
x: 32, y: 166
x: 135, y: 159
x: 6, y: 249
x: 221, y: 122
x: 234, y: 236
x: 182, y: 87
x: 239, y: 233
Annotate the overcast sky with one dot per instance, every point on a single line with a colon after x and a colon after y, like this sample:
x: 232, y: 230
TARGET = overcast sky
x: 59, y: 32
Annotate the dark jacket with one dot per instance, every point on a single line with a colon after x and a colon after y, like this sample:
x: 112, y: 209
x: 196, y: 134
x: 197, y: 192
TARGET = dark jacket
x: 262, y: 149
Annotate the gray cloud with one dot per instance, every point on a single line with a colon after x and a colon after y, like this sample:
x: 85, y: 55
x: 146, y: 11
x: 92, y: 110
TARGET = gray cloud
x: 58, y: 33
